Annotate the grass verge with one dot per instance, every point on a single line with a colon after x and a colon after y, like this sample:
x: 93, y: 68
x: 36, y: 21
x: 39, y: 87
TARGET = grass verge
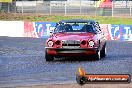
x: 53, y: 18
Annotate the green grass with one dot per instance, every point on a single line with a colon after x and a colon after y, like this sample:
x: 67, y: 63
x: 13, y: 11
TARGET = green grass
x: 48, y: 18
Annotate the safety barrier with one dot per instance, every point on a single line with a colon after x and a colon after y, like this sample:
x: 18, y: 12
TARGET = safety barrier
x: 11, y: 28
x: 42, y: 30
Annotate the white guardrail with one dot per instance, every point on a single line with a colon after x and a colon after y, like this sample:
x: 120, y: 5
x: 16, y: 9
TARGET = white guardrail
x: 12, y: 28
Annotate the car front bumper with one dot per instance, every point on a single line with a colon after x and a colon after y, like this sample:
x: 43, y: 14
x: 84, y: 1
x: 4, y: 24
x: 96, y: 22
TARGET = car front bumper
x: 71, y: 51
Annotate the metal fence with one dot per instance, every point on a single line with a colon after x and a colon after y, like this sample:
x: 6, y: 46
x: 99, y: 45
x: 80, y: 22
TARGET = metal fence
x: 119, y: 8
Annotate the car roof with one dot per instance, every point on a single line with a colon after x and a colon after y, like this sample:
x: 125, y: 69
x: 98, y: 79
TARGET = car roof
x: 77, y: 21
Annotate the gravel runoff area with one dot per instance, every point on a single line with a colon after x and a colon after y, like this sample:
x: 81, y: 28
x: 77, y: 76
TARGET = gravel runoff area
x: 22, y: 65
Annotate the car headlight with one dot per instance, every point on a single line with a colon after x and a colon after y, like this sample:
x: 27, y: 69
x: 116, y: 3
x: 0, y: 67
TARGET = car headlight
x: 50, y: 43
x: 91, y: 43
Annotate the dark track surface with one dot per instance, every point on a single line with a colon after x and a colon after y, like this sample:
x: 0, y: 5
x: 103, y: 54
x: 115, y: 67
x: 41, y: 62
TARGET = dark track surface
x: 22, y: 63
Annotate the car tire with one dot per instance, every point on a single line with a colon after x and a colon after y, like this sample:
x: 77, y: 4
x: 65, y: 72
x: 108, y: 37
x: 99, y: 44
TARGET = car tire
x: 48, y: 57
x: 98, y: 55
x: 103, y: 51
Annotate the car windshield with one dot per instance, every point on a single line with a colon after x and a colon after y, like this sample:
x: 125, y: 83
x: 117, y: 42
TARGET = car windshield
x: 75, y: 27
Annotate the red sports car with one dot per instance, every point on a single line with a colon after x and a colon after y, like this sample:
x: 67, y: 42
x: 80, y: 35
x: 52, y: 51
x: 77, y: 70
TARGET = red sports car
x: 76, y: 37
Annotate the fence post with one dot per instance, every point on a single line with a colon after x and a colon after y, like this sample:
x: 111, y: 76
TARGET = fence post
x: 8, y: 7
x: 130, y: 10
x: 35, y: 7
x: 112, y: 8
x: 50, y: 7
x: 65, y: 7
x: 95, y: 6
x: 15, y: 7
x: 80, y: 7
x: 22, y: 6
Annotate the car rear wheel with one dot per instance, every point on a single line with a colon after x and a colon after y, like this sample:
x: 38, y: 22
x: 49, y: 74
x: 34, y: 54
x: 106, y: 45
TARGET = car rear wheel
x: 103, y: 52
x: 48, y: 57
x: 97, y: 55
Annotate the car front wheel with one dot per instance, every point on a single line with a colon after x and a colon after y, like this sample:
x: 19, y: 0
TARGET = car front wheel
x: 103, y: 52
x: 97, y: 55
x: 48, y: 57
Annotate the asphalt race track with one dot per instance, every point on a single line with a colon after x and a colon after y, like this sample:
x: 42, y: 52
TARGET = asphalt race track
x: 22, y: 63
